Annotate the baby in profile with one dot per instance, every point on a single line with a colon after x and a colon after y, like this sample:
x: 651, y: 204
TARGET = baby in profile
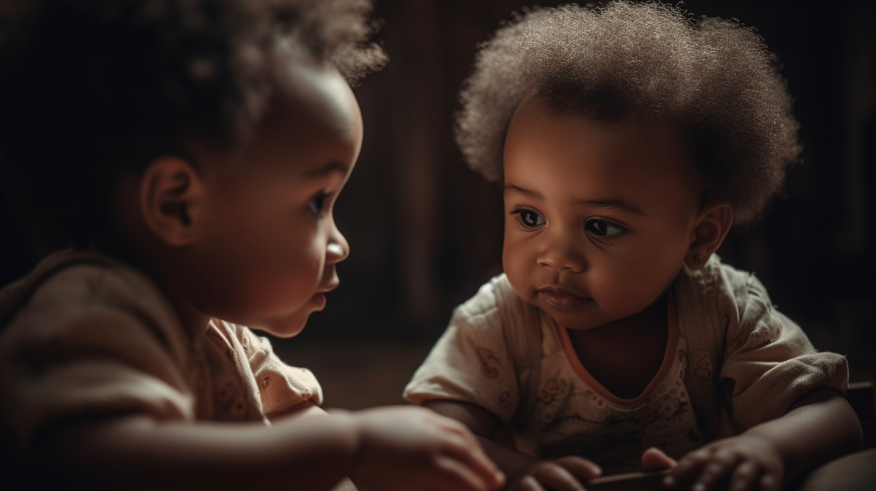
x: 629, y: 139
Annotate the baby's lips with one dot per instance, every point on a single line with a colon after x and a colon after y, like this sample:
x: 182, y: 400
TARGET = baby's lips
x: 561, y: 298
x: 557, y: 290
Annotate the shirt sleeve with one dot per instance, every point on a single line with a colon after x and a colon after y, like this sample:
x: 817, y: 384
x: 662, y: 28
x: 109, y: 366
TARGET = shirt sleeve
x: 769, y: 362
x: 92, y: 341
x: 471, y: 361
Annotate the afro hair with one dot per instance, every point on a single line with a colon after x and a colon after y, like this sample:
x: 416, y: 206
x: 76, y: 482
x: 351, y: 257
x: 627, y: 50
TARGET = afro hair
x: 716, y: 78
x: 92, y: 88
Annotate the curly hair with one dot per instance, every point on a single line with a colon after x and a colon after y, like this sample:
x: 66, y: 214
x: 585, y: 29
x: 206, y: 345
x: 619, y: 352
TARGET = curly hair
x: 716, y: 78
x: 92, y: 88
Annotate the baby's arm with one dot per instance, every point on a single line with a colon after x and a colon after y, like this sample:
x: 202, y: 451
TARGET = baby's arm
x: 820, y: 426
x: 524, y: 472
x: 386, y: 448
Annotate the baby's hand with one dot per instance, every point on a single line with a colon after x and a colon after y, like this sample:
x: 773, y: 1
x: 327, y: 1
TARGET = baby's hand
x: 562, y: 474
x: 412, y: 448
x: 738, y: 463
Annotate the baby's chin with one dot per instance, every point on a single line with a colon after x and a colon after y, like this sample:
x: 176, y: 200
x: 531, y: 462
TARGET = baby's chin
x: 289, y: 325
x: 580, y: 318
x: 575, y: 321
x: 575, y: 325
x: 284, y: 327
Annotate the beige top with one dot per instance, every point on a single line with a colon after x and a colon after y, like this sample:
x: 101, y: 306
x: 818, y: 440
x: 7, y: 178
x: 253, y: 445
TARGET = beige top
x: 87, y: 335
x: 767, y: 364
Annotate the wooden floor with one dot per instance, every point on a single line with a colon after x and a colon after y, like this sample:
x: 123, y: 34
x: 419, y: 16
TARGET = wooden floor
x: 356, y: 376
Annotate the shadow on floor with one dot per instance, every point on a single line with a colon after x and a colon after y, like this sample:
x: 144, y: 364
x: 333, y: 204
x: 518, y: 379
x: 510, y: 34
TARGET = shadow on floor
x: 356, y: 376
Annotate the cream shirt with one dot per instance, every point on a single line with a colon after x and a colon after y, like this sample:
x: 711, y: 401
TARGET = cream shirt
x: 767, y: 363
x: 86, y: 335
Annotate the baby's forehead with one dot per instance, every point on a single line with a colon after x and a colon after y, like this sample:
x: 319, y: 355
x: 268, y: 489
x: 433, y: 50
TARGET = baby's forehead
x: 316, y: 94
x: 633, y: 145
x: 626, y: 125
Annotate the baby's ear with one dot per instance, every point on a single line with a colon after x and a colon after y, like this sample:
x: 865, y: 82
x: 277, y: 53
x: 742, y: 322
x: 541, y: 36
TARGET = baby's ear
x: 171, y: 192
x: 712, y: 224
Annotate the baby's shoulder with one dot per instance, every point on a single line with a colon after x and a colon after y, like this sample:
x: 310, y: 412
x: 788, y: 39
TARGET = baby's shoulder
x: 82, y: 277
x: 495, y: 299
x: 81, y: 292
x: 721, y: 305
x: 721, y: 286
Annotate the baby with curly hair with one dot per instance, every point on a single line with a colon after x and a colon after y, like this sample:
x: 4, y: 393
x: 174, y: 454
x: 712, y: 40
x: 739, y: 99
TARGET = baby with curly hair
x: 191, y: 152
x: 629, y: 139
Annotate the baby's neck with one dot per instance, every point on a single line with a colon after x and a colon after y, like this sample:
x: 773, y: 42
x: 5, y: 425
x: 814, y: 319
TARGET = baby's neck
x: 625, y: 355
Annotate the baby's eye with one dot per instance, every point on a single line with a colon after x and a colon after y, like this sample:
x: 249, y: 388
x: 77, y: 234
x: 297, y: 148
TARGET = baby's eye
x: 317, y: 202
x: 603, y: 229
x: 529, y: 218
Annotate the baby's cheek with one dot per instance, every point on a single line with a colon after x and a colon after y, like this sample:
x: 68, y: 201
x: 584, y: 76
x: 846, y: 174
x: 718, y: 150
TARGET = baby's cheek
x: 627, y: 293
x: 519, y: 276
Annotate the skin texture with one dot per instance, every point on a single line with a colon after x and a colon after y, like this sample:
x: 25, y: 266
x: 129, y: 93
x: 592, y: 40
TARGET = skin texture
x: 596, y: 228
x: 600, y: 218
x: 819, y: 427
x: 245, y: 233
x: 252, y: 228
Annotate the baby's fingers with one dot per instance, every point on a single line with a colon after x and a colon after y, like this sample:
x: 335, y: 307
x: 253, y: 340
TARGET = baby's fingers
x: 688, y: 468
x: 474, y: 459
x: 454, y: 475
x: 529, y: 483
x: 654, y: 459
x: 749, y: 476
x: 744, y: 477
x: 553, y: 476
x: 770, y: 482
x: 455, y: 427
x: 579, y: 467
x: 716, y: 469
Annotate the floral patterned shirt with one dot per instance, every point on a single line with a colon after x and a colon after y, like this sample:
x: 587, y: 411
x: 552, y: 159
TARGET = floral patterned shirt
x: 767, y: 364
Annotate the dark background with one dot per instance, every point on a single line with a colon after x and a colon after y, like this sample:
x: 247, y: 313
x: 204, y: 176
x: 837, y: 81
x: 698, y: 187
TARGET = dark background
x: 425, y: 231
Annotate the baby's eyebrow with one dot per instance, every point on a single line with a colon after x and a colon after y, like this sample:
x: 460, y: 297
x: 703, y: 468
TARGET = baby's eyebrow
x: 328, y: 168
x: 618, y: 204
x: 510, y: 188
x: 614, y: 203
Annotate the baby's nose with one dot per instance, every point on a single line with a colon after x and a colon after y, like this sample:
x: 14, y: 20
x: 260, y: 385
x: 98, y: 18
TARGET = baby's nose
x: 562, y: 254
x: 337, y: 249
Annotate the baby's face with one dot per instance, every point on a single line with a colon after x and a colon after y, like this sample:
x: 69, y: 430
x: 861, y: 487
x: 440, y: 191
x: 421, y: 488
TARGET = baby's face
x: 598, y: 218
x: 268, y: 243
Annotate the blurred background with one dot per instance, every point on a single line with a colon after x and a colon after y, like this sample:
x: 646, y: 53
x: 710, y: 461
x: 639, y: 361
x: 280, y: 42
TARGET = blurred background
x: 425, y: 231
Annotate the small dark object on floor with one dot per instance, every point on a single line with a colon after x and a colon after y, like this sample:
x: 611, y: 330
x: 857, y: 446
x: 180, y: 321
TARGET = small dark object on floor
x: 631, y: 481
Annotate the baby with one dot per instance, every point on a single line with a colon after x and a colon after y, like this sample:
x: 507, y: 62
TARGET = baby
x: 629, y: 139
x: 192, y: 151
